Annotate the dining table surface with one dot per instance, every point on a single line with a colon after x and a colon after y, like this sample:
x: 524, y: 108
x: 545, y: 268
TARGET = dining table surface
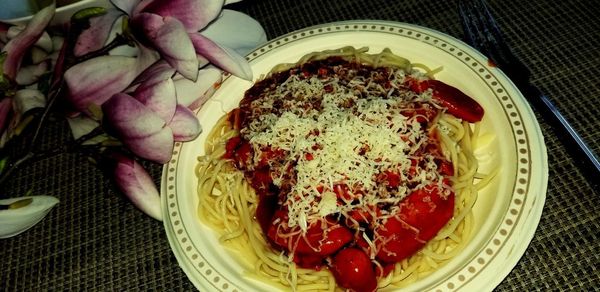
x: 96, y: 240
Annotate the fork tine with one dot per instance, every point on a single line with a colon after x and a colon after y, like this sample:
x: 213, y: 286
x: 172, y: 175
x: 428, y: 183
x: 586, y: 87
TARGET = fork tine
x: 481, y: 31
x: 476, y: 24
x: 471, y: 29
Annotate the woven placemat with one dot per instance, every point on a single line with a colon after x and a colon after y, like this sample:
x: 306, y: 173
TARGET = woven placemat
x: 96, y: 240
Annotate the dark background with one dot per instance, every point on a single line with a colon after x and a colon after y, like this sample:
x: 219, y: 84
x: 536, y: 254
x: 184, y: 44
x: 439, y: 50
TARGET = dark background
x: 96, y: 240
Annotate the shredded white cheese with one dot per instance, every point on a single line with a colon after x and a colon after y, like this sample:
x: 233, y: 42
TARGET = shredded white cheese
x: 345, y: 130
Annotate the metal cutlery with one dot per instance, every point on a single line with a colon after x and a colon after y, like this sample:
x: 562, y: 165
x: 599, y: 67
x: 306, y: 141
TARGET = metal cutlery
x: 482, y: 32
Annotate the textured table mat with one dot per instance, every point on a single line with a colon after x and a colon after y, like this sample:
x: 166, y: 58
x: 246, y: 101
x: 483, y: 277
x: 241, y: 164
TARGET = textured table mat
x: 96, y: 240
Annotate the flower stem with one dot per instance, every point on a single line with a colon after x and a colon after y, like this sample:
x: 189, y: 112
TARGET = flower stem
x: 14, y: 166
x: 30, y: 151
x: 119, y: 40
x: 32, y: 156
x: 53, y: 95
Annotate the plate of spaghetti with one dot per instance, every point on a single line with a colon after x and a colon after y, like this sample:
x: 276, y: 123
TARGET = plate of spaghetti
x: 365, y: 156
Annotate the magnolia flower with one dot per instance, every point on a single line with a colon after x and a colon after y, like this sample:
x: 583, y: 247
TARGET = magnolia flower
x: 133, y: 180
x: 148, y: 107
x: 94, y: 81
x: 18, y: 43
x: 18, y: 46
x: 149, y: 119
x: 144, y: 96
x: 168, y: 27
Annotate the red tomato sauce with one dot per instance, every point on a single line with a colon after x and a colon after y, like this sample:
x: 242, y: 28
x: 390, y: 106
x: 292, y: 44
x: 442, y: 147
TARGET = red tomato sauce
x: 344, y: 243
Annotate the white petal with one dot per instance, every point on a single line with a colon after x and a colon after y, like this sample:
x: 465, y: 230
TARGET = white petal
x: 193, y: 94
x: 15, y: 221
x: 82, y: 125
x: 38, y: 55
x: 28, y: 75
x: 227, y: 2
x: 26, y: 99
x: 237, y: 31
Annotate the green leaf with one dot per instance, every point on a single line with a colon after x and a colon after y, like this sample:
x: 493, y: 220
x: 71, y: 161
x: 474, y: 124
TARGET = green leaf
x: 3, y: 163
x: 2, y: 59
x: 111, y: 142
x: 20, y: 203
x: 95, y: 112
x: 125, y: 25
x: 87, y: 13
x: 127, y: 34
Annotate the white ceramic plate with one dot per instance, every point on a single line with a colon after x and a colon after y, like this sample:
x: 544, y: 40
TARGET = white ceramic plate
x: 506, y: 213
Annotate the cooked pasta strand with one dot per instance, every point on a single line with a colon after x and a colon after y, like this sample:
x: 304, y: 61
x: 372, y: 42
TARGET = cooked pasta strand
x: 228, y: 202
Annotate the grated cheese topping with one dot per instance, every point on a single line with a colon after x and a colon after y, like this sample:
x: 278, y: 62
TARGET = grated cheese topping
x: 341, y: 134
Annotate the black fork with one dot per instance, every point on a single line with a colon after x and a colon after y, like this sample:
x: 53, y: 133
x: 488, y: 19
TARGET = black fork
x: 482, y: 32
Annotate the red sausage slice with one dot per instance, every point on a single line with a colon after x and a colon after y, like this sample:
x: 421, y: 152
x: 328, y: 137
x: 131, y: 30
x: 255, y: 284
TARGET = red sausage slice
x: 457, y: 102
x: 316, y: 241
x: 423, y: 213
x: 353, y: 270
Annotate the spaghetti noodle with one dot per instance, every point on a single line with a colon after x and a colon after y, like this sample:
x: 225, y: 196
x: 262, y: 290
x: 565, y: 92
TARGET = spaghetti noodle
x: 343, y: 155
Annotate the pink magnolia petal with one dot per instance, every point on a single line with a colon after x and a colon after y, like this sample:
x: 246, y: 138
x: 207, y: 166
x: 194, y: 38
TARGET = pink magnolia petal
x: 95, y: 36
x: 44, y: 41
x: 143, y: 131
x: 146, y: 57
x: 131, y: 118
x: 222, y: 57
x: 160, y: 70
x: 194, y: 14
x: 126, y: 6
x: 168, y: 36
x: 157, y: 147
x: 159, y: 96
x: 193, y: 94
x: 156, y: 90
x: 17, y: 47
x: 135, y: 182
x: 96, y: 80
x: 185, y: 125
x: 5, y: 110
